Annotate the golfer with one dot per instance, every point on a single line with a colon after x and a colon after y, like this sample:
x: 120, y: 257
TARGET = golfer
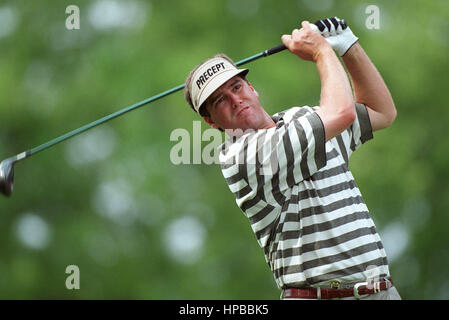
x: 289, y: 171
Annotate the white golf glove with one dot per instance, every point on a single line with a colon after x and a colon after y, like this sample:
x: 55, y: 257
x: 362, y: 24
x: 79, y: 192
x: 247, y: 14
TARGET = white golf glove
x: 337, y: 34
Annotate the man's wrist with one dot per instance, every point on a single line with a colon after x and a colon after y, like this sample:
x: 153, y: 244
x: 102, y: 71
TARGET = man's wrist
x: 353, y: 52
x: 324, y: 53
x: 352, y: 49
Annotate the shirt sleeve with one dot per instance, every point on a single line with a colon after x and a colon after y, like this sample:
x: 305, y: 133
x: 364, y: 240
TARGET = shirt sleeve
x: 357, y: 134
x: 279, y: 158
x: 302, y: 151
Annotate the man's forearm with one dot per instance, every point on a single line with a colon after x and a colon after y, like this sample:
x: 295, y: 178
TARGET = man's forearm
x: 336, y: 102
x: 369, y: 87
x: 335, y: 87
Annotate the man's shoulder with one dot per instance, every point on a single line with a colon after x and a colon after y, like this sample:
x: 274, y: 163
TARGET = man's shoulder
x: 292, y: 113
x: 234, y: 145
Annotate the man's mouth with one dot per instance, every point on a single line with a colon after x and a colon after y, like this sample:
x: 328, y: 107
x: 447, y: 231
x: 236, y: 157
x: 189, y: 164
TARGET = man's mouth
x: 242, y: 111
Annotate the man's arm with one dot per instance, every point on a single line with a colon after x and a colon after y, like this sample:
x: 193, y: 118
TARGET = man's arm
x: 337, y: 110
x: 369, y: 88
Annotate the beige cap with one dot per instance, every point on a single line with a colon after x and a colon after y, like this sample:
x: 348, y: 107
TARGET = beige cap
x: 209, y: 77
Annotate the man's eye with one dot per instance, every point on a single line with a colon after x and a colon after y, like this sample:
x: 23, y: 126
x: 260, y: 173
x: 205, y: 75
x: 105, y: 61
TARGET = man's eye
x: 219, y: 100
x: 237, y: 86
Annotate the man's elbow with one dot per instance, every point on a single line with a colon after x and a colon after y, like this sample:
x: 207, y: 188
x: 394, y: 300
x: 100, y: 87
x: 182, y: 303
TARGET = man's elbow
x: 348, y: 115
x: 391, y: 116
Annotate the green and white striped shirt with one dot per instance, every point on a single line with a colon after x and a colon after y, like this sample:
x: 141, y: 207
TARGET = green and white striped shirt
x: 303, y: 204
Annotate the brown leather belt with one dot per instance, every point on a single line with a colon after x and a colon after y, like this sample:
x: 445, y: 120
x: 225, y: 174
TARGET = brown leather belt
x: 359, y: 290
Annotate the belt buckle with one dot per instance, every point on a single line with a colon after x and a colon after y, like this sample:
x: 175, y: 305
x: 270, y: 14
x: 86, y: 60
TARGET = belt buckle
x: 356, y: 290
x: 335, y: 284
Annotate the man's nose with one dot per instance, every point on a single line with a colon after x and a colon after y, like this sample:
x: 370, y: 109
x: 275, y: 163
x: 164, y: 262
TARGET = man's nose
x: 236, y: 100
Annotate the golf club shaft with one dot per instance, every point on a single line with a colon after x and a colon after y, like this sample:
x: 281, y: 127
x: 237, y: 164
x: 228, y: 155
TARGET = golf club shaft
x: 86, y: 127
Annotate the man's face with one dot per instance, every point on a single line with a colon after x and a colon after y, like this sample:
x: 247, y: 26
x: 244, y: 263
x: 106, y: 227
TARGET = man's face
x: 235, y: 105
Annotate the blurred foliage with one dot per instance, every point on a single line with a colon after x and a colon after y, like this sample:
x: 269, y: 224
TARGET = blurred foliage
x: 107, y: 200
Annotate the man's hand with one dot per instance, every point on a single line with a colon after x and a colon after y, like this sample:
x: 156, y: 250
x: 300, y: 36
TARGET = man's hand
x: 337, y: 34
x: 306, y: 43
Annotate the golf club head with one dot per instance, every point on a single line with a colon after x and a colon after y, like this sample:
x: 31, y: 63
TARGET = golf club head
x: 7, y: 177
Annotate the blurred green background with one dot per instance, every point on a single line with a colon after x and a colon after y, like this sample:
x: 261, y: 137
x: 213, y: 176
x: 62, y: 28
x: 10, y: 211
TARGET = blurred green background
x: 139, y: 227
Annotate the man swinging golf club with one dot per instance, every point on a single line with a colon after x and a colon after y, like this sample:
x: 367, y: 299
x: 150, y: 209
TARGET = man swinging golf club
x: 307, y: 213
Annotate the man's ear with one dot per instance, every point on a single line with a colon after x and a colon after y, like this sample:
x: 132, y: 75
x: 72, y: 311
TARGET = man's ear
x: 211, y: 122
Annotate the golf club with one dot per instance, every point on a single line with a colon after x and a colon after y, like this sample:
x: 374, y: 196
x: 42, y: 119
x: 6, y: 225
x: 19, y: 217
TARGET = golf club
x: 7, y: 165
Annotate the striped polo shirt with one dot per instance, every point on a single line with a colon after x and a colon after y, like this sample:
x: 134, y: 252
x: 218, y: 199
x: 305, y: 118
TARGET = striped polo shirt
x: 301, y: 200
